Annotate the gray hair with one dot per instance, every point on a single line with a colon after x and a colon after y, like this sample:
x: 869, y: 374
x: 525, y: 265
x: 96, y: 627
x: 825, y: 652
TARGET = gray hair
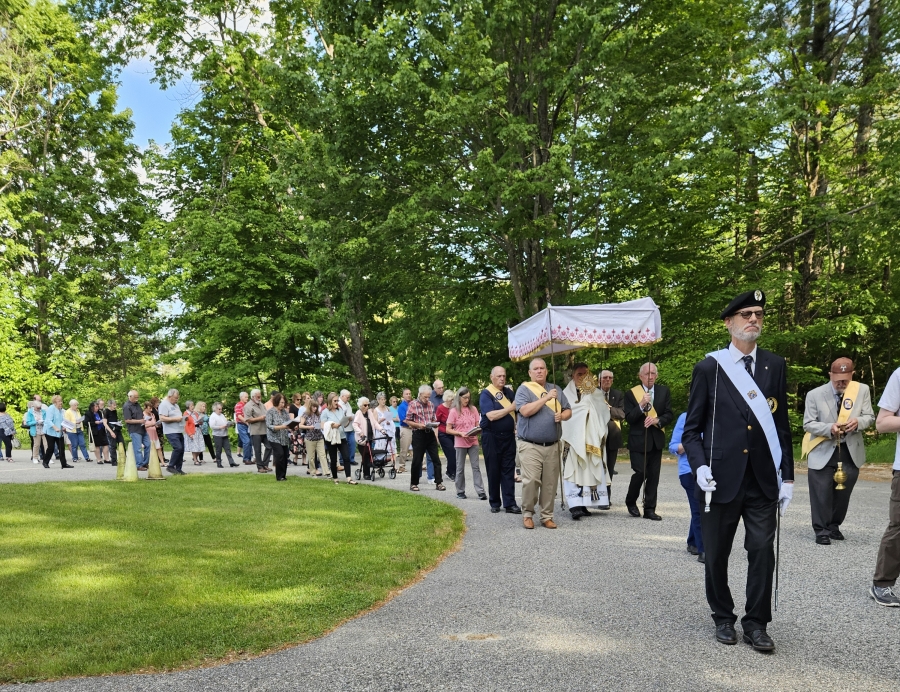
x: 362, y: 400
x: 111, y: 402
x: 645, y: 365
x: 242, y: 395
x: 254, y: 392
x: 217, y: 406
x: 188, y: 403
x: 604, y: 373
x: 132, y: 392
x: 381, y: 395
x: 448, y: 395
x: 73, y: 401
x: 172, y: 392
x: 344, y: 392
x: 424, y: 388
x: 459, y: 395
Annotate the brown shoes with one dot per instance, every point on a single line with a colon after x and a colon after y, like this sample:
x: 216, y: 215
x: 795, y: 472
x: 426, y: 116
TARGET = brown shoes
x: 528, y: 523
x: 549, y: 524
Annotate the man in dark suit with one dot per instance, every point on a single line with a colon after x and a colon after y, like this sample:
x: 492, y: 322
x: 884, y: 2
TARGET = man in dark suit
x: 737, y: 430
x: 648, y: 411
x: 615, y: 399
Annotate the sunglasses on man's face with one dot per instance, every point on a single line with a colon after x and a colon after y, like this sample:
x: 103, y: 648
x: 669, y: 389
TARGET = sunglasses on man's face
x: 747, y: 314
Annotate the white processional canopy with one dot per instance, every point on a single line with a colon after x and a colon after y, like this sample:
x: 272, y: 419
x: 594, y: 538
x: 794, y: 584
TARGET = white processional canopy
x: 564, y: 329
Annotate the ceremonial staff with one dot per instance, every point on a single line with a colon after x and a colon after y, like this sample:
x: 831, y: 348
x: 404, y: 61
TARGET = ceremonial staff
x: 712, y: 435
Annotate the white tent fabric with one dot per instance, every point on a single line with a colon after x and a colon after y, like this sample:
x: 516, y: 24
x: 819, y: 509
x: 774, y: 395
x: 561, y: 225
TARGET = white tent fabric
x: 613, y: 325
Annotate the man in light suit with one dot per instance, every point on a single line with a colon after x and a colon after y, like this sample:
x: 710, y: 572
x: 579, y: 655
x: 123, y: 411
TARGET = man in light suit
x: 836, y: 414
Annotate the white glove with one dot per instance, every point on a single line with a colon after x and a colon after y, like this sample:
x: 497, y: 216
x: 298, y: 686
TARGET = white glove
x: 785, y: 495
x: 705, y: 479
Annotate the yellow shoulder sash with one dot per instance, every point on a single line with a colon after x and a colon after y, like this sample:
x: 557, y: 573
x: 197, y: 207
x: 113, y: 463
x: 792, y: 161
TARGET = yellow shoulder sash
x: 500, y: 398
x: 638, y: 392
x: 809, y: 442
x: 539, y: 391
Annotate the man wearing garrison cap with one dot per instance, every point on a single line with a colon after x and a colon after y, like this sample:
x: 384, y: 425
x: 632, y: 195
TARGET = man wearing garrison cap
x: 738, y: 442
x: 836, y: 414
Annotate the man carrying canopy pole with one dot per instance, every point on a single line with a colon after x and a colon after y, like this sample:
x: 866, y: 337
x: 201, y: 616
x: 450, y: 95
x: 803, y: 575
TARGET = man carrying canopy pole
x: 737, y: 431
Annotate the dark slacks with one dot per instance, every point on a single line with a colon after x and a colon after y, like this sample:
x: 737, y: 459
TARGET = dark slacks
x: 258, y: 442
x: 280, y: 459
x: 176, y: 458
x: 719, y: 526
x: 829, y: 506
x: 424, y: 442
x: 500, y: 466
x: 613, y: 443
x: 695, y: 533
x: 332, y: 452
x: 365, y: 453
x: 222, y: 442
x: 654, y: 464
x: 209, y: 446
x: 887, y: 565
x: 54, y: 443
x: 449, y: 449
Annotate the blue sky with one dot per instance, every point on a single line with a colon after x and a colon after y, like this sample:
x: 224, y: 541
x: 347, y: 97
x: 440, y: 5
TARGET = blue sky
x: 153, y: 109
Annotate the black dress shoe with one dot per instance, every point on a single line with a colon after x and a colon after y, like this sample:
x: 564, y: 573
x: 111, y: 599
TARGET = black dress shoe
x: 495, y: 510
x: 67, y: 466
x: 584, y: 512
x: 652, y: 515
x: 725, y: 634
x: 515, y: 509
x: 634, y: 511
x: 823, y: 540
x: 452, y: 477
x: 576, y: 516
x: 234, y: 466
x: 461, y: 496
x: 219, y: 466
x: 836, y: 535
x: 701, y: 558
x: 482, y: 497
x: 759, y: 640
x: 46, y: 465
x: 692, y: 549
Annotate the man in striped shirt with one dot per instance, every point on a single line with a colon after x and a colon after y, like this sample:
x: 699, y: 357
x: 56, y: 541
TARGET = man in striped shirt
x: 420, y: 417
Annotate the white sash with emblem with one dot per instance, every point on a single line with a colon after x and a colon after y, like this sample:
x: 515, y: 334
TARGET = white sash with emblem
x: 749, y: 390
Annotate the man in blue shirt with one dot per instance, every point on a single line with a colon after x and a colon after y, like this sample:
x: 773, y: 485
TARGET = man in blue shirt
x: 405, y: 430
x: 498, y: 440
x: 686, y: 476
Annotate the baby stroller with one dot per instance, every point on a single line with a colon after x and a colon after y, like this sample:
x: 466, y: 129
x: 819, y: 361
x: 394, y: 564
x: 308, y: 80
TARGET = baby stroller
x: 381, y: 452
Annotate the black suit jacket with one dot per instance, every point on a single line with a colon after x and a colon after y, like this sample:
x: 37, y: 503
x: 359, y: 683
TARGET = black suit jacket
x: 616, y: 401
x: 656, y: 438
x: 739, y: 438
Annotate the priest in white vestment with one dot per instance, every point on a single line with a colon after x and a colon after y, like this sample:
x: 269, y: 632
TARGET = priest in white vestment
x: 585, y: 478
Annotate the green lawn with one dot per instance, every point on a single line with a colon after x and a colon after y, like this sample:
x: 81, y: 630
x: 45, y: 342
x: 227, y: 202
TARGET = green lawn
x: 101, y: 577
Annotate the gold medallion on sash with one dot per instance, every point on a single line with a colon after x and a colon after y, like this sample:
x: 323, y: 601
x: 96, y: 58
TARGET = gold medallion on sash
x: 638, y: 392
x: 500, y: 398
x: 539, y: 391
x: 809, y: 442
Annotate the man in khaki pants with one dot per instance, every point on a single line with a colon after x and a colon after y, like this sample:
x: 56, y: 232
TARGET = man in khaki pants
x: 541, y: 408
x: 887, y: 565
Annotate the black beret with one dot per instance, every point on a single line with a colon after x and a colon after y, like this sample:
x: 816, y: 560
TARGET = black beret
x: 745, y: 300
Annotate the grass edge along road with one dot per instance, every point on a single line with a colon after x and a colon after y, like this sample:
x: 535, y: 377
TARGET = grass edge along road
x: 99, y: 578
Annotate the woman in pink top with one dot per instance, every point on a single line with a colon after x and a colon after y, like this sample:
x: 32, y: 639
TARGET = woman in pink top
x: 464, y: 417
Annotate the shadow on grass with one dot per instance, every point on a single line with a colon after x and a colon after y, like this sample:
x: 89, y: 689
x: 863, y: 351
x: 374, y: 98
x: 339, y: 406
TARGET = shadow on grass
x: 102, y: 577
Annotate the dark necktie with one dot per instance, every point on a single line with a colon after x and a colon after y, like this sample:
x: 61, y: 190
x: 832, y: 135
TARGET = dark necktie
x: 839, y: 398
x: 748, y: 363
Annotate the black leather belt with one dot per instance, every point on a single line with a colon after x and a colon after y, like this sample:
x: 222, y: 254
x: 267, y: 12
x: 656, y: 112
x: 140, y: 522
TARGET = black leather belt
x: 539, y: 444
